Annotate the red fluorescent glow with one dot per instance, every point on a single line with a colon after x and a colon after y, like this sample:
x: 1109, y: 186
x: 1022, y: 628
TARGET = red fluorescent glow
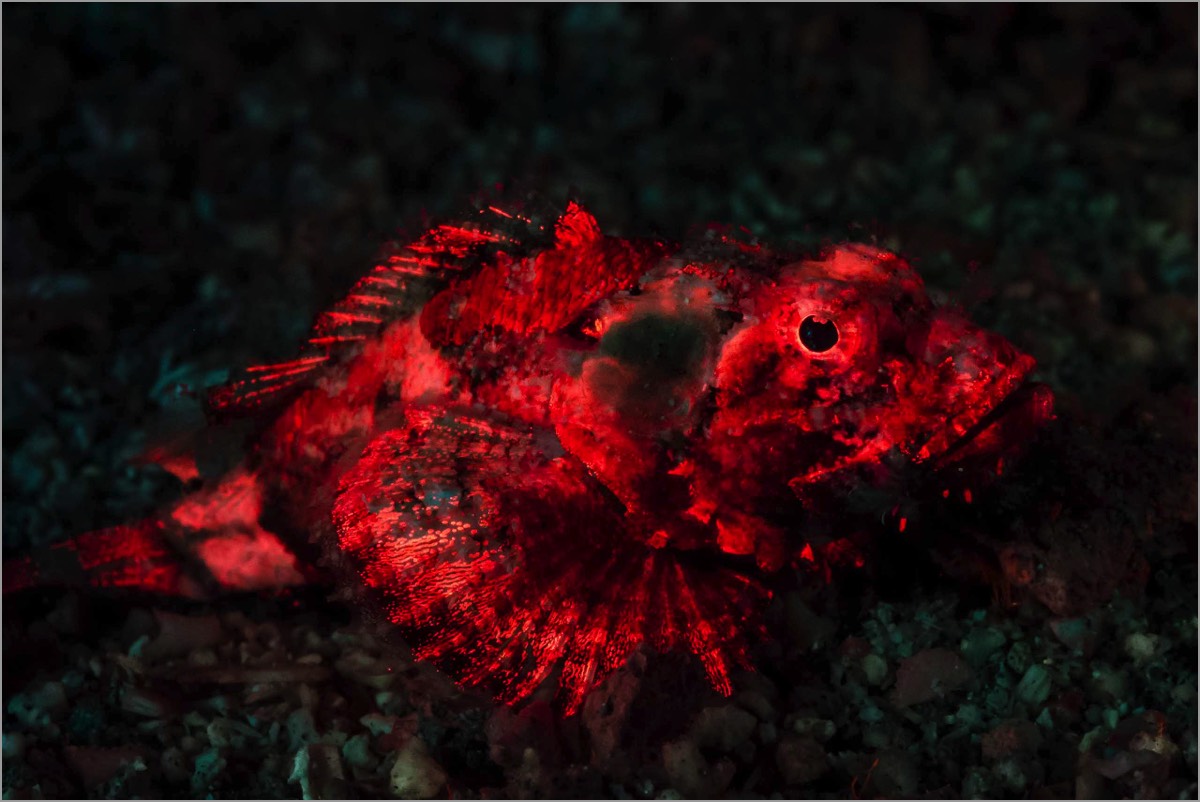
x: 541, y: 448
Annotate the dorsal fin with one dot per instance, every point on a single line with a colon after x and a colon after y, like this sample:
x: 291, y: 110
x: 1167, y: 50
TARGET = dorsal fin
x: 395, y: 288
x: 576, y: 228
x: 545, y: 291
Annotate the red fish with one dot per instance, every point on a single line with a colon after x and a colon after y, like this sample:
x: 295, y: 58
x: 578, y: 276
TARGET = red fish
x: 535, y: 447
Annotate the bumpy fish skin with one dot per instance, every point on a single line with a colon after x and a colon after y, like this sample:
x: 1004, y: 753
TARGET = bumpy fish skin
x: 534, y: 447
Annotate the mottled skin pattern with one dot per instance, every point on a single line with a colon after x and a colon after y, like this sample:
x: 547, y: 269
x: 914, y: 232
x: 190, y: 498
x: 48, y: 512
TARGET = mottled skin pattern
x: 535, y: 448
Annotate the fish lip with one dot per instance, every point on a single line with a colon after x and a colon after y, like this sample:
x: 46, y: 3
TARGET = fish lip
x: 963, y: 425
x: 1019, y: 395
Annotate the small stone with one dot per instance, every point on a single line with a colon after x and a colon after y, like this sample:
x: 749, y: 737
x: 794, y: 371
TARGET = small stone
x: 1074, y: 633
x: 1045, y: 719
x: 37, y: 708
x: 875, y: 668
x: 1034, y: 687
x: 1132, y: 345
x: 895, y: 775
x: 928, y: 675
x: 1184, y: 694
x: 209, y: 766
x: 1110, y: 718
x: 1018, y: 657
x: 1012, y: 737
x: 414, y: 774
x: 365, y: 670
x: 801, y: 760
x: 227, y: 732
x: 146, y: 702
x: 870, y: 713
x: 1141, y: 647
x: 758, y: 704
x: 981, y: 644
x: 14, y: 745
x: 65, y: 617
x: 205, y: 658
x: 175, y: 765
x: 1108, y: 683
x: 262, y: 238
x: 1013, y: 773
x: 318, y: 769
x: 357, y: 751
x: 180, y: 634
x: 301, y: 728
x: 686, y: 768
x: 96, y: 765
x: 968, y: 715
x: 723, y: 728
x: 819, y: 729
x: 980, y: 784
x: 807, y: 630
x: 378, y: 724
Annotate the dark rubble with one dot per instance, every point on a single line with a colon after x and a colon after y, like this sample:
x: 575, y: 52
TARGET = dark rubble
x: 186, y: 186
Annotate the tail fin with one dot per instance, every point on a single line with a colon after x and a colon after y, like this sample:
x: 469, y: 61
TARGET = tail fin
x: 135, y: 556
x: 210, y: 541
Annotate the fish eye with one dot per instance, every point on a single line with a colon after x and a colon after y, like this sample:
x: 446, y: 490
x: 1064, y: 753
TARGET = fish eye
x: 818, y: 335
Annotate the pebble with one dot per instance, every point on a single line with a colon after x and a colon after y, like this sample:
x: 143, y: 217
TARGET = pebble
x: 818, y: 728
x: 175, y: 765
x: 1142, y: 647
x: 378, y: 724
x: 801, y: 760
x: 723, y: 728
x: 96, y: 765
x: 1018, y: 657
x: 146, y: 702
x: 981, y: 644
x: 1013, y: 773
x: 1108, y: 682
x: 318, y: 769
x: 806, y: 629
x: 980, y: 784
x: 357, y: 751
x: 895, y: 774
x: 686, y: 768
x: 1012, y: 737
x: 1034, y: 687
x: 39, y: 707
x: 1074, y: 633
x: 929, y: 675
x: 13, y: 745
x: 414, y: 774
x: 875, y: 668
x: 180, y: 634
x: 758, y: 704
x: 1132, y: 345
x: 301, y: 727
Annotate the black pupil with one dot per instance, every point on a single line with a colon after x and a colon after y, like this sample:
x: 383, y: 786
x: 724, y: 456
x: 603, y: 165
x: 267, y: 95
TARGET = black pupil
x: 818, y: 335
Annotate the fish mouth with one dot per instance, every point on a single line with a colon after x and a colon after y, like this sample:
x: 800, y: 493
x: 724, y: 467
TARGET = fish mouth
x: 1021, y: 408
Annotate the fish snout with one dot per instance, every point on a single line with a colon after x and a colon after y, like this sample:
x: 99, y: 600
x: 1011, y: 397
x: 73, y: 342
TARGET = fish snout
x: 976, y: 384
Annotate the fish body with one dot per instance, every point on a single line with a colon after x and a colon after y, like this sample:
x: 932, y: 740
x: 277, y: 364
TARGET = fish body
x: 535, y: 448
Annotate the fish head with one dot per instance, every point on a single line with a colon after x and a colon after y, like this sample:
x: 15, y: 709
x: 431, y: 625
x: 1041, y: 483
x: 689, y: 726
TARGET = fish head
x: 843, y: 365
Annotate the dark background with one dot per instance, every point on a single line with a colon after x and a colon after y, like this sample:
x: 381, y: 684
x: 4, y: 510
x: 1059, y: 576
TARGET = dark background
x: 186, y: 186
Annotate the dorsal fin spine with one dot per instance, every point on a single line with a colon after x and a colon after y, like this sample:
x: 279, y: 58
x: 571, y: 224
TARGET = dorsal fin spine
x: 576, y: 228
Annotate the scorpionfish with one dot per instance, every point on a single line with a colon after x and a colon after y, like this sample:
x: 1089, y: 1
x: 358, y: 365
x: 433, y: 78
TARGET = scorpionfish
x: 535, y: 448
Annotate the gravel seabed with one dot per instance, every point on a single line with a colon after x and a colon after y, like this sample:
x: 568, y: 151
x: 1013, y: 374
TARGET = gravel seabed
x: 186, y: 186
